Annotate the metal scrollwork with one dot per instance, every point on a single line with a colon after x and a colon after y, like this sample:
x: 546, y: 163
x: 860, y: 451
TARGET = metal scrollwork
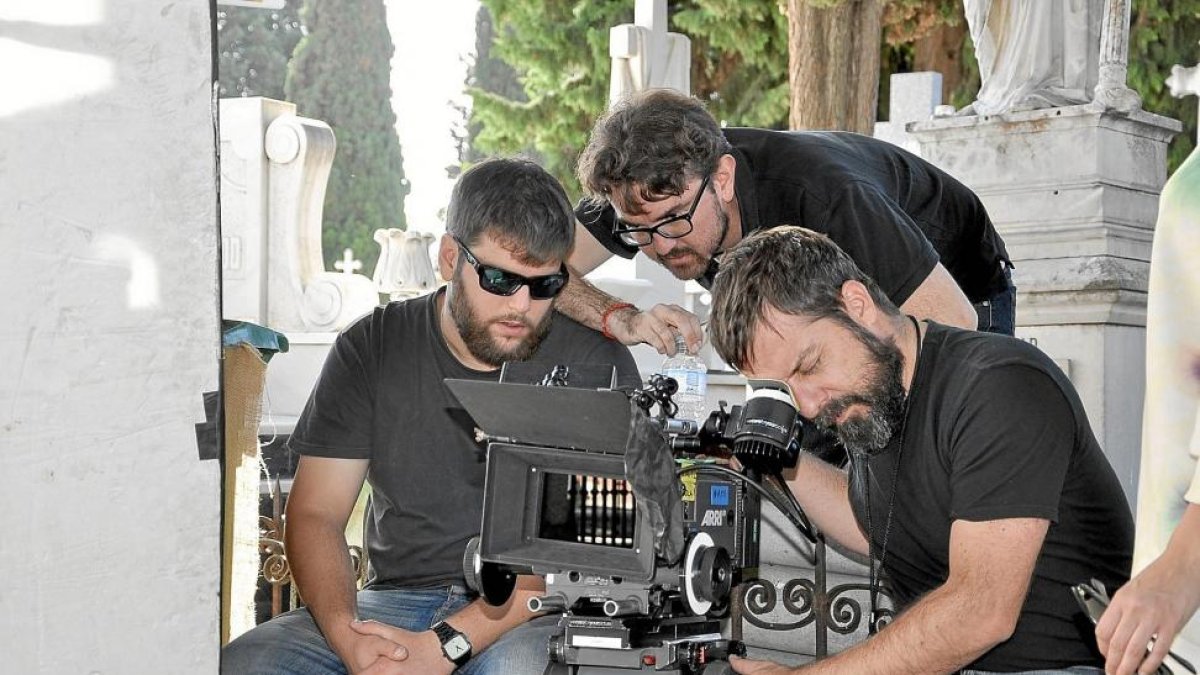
x: 760, y: 598
x: 845, y: 613
x: 275, y: 568
x: 883, y: 616
x: 359, y: 561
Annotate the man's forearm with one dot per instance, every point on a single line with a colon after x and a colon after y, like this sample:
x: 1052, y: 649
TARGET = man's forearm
x: 483, y: 624
x: 941, y: 633
x: 583, y: 302
x: 324, y: 575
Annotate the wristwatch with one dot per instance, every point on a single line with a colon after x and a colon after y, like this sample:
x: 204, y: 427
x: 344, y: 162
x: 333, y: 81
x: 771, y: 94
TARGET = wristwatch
x: 455, y: 645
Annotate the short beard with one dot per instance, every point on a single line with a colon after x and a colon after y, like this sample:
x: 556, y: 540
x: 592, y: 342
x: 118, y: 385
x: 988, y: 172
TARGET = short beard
x: 474, y: 332
x: 884, y: 398
x: 703, y: 260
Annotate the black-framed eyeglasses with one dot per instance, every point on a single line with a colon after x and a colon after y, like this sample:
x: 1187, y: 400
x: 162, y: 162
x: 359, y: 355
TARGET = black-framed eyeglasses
x: 671, y: 227
x: 502, y: 282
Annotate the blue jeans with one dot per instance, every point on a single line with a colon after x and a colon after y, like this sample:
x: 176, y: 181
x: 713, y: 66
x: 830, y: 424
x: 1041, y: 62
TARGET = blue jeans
x: 1072, y: 670
x: 291, y: 643
x: 998, y: 314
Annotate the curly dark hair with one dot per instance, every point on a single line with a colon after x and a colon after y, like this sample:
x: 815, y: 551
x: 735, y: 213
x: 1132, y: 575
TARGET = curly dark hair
x: 649, y: 146
x: 792, y: 269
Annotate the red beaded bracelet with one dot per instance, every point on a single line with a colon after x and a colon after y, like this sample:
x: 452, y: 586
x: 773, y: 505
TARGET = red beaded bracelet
x: 604, y: 317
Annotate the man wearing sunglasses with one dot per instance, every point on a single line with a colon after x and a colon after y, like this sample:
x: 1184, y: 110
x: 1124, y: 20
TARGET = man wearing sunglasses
x: 381, y: 413
x: 668, y: 181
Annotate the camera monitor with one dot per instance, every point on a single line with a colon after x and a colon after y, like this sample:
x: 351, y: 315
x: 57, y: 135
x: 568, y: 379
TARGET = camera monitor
x: 556, y: 498
x: 559, y: 417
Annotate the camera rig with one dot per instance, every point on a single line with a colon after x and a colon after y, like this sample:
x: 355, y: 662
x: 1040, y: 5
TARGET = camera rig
x: 639, y: 523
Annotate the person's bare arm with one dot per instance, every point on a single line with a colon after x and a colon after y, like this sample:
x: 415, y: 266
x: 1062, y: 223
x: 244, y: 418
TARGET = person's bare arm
x: 1158, y: 601
x: 823, y: 492
x: 322, y: 497
x: 939, y: 298
x: 587, y: 304
x: 977, y: 608
x: 482, y: 623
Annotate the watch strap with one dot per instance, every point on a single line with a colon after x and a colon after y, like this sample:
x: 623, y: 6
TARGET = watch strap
x: 445, y: 633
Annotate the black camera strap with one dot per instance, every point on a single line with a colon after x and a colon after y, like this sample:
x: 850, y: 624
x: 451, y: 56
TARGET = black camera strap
x: 862, y: 470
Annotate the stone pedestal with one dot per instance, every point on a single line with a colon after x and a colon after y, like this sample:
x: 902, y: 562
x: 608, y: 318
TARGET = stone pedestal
x: 1074, y: 193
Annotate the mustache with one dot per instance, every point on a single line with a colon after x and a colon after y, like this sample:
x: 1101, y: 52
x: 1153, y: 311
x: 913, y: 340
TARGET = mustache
x: 829, y: 415
x: 514, y: 318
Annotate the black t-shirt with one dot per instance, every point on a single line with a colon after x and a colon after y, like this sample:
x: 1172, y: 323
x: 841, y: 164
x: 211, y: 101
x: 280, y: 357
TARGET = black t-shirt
x: 995, y: 430
x: 894, y: 213
x: 381, y: 396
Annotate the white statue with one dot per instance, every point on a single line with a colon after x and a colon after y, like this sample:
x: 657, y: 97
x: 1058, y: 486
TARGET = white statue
x: 1034, y: 53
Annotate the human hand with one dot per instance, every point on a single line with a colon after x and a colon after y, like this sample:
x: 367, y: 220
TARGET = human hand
x: 368, y: 653
x: 657, y: 327
x: 1153, y: 606
x: 750, y: 667
x: 423, y: 650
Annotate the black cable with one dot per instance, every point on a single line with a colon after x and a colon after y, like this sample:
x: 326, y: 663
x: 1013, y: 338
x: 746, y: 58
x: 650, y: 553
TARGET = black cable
x: 777, y: 483
x: 797, y: 518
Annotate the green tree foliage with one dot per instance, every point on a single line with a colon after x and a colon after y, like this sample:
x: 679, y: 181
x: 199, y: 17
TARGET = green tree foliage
x: 1164, y: 33
x: 254, y: 46
x: 560, y: 50
x: 340, y: 73
x: 740, y: 57
x: 486, y: 74
x: 740, y: 63
x: 739, y: 67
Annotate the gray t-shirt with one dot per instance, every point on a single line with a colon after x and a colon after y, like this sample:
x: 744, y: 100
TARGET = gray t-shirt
x: 381, y: 397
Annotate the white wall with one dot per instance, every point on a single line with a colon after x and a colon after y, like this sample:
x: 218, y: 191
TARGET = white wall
x: 109, y: 523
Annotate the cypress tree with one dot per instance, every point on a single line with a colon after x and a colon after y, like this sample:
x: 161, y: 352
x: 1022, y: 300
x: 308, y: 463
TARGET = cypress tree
x: 340, y: 74
x: 254, y: 46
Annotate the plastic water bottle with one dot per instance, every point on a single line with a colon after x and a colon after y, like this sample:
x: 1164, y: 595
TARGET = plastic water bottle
x: 692, y: 375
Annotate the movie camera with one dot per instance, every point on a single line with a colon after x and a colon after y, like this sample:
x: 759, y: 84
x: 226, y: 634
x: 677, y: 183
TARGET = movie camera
x: 640, y: 523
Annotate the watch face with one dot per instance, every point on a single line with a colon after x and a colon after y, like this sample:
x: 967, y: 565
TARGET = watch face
x: 456, y: 647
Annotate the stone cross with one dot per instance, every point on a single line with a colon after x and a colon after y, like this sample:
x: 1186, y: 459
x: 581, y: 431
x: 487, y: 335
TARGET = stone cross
x: 1112, y: 90
x: 644, y: 55
x: 912, y: 98
x: 347, y: 265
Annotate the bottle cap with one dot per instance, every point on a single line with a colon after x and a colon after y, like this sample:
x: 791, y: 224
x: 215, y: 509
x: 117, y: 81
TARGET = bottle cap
x: 680, y: 343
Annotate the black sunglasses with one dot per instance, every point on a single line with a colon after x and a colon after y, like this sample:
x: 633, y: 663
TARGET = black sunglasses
x: 671, y: 227
x: 502, y: 282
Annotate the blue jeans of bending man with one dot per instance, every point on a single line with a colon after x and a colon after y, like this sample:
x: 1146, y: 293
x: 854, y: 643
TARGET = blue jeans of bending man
x: 292, y: 644
x: 998, y: 314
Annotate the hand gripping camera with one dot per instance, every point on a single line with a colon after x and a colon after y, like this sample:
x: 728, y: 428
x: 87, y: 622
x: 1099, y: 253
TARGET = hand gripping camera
x: 638, y: 533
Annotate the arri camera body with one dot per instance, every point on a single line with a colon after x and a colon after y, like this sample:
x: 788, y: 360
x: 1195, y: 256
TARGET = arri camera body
x: 639, y: 533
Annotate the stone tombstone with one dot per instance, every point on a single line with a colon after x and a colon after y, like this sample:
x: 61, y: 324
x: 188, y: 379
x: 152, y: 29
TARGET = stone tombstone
x: 646, y: 56
x: 913, y: 97
x: 1074, y: 192
x: 274, y: 168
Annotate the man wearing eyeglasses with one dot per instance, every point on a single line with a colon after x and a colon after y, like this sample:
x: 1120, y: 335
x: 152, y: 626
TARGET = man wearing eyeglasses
x: 381, y: 413
x: 667, y: 180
